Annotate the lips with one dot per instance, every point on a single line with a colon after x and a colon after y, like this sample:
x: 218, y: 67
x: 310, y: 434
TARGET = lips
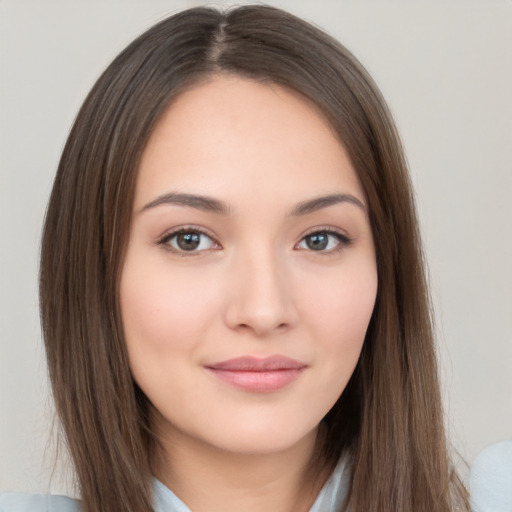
x: 260, y: 375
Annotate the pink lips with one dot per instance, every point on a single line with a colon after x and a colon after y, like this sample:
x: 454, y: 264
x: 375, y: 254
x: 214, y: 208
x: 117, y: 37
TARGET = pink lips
x: 257, y: 374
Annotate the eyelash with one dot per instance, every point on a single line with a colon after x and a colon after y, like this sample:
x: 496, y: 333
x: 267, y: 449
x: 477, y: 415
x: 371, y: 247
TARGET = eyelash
x: 343, y: 240
x: 164, y: 241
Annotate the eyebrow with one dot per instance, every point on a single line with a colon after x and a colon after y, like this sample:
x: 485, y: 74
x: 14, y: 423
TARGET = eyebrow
x: 209, y: 204
x: 319, y: 203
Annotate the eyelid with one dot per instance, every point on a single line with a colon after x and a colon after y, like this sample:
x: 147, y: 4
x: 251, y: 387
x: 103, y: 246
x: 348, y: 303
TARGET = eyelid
x: 344, y: 239
x: 171, y: 233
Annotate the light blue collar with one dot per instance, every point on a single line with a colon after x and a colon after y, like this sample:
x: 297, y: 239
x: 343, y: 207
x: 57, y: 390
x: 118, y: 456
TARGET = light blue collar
x: 330, y: 498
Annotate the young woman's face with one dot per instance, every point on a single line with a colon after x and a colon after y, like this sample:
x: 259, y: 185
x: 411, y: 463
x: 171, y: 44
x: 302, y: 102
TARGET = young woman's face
x: 250, y: 273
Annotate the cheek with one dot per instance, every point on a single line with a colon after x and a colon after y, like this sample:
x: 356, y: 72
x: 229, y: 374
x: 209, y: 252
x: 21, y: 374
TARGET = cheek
x: 339, y: 310
x: 164, y: 313
x: 342, y: 302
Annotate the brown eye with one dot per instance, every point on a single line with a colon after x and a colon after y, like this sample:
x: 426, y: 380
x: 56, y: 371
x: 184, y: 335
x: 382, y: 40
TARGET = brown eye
x: 188, y: 241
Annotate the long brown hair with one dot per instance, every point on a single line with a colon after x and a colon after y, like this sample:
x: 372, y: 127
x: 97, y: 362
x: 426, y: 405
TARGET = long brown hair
x: 388, y: 421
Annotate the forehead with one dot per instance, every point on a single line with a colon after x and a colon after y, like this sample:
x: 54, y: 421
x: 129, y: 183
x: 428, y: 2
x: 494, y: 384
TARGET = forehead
x: 241, y: 139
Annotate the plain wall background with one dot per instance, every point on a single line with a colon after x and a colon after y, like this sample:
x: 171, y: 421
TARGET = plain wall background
x: 445, y: 68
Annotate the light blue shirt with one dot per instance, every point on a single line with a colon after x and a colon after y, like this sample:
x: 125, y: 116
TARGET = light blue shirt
x: 490, y: 483
x: 330, y: 499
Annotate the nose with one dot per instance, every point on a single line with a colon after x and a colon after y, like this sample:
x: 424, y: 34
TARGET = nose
x: 261, y: 298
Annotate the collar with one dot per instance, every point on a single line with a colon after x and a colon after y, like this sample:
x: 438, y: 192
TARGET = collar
x: 330, y: 498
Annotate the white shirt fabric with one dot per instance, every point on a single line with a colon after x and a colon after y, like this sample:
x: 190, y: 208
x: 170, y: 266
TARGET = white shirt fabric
x: 330, y: 498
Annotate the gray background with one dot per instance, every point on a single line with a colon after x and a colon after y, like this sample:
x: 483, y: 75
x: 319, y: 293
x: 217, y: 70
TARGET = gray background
x: 445, y: 68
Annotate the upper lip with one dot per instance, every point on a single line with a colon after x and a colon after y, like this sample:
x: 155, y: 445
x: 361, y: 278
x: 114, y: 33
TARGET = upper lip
x: 257, y: 364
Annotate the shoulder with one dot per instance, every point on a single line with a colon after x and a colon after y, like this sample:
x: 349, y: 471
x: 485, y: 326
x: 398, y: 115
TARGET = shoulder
x: 21, y: 502
x: 491, y: 475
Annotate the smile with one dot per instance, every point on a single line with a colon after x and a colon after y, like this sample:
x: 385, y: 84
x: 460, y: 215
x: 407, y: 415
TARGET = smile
x: 258, y: 375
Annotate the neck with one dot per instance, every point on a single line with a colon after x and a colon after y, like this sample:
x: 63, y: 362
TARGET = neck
x: 208, y: 479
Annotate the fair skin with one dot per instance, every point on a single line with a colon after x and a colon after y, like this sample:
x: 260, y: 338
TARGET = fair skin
x: 232, y: 254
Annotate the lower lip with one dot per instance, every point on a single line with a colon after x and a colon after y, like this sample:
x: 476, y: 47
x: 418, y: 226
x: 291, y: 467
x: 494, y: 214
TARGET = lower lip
x: 259, y: 381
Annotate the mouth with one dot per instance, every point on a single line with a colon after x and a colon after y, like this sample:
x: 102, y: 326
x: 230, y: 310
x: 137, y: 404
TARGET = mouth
x: 258, y: 375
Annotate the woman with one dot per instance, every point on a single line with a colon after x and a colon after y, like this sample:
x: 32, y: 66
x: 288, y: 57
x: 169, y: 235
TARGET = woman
x: 232, y: 293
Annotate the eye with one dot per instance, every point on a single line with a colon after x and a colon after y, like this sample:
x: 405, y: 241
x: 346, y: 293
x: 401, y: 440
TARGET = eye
x: 188, y: 240
x: 324, y: 241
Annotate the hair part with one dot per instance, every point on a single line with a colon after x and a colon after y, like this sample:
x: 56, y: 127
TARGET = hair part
x: 389, y: 419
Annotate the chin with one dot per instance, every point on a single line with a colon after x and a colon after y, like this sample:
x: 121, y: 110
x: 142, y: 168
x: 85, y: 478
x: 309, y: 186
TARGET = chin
x: 261, y: 441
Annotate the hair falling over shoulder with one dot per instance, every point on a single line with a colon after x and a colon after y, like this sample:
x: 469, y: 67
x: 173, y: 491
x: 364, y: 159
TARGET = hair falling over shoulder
x: 389, y: 419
